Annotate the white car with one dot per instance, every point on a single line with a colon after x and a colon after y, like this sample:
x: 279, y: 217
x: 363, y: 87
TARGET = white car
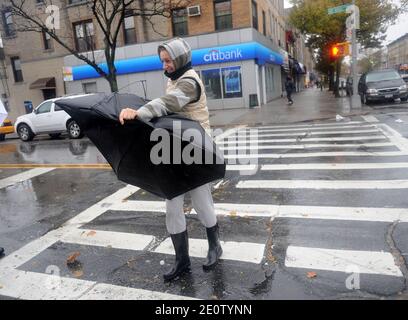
x: 47, y: 118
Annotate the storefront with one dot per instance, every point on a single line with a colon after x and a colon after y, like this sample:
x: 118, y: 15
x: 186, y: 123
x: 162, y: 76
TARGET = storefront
x: 231, y: 73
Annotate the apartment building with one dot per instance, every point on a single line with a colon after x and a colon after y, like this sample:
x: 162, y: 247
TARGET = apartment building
x: 238, y: 50
x: 398, y: 52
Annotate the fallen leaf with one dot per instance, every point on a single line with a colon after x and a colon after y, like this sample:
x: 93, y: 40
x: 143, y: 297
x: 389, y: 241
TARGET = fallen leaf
x: 78, y: 273
x: 91, y: 233
x: 311, y: 275
x: 233, y: 213
x: 72, y: 257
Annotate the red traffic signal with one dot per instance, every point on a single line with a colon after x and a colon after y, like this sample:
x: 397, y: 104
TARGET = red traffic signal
x: 339, y: 50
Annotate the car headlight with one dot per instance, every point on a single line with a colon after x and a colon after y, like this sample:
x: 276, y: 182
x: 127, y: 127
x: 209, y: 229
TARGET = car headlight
x: 403, y: 88
x: 372, y: 91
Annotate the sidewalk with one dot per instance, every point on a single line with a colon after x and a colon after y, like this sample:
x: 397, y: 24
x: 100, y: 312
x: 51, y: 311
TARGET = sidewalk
x: 309, y: 104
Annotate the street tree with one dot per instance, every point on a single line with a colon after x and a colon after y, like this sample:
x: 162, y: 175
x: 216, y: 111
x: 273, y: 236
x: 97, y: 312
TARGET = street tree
x: 311, y: 18
x: 47, y: 17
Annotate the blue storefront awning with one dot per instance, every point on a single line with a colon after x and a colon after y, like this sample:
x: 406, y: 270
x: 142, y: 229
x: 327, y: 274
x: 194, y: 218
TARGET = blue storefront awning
x: 230, y: 53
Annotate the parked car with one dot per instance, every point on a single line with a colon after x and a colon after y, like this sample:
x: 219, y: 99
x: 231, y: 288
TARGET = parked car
x: 382, y: 85
x: 47, y: 118
x: 6, y: 128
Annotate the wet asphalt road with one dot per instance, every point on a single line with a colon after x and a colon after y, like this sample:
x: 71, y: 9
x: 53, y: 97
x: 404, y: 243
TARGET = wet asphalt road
x: 49, y: 215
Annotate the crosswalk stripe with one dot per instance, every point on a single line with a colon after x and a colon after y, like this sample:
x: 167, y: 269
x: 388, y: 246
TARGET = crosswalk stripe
x: 335, y: 139
x: 304, y: 133
x: 367, y: 262
x: 314, y: 129
x: 39, y: 286
x: 99, y: 238
x: 315, y: 154
x: 307, y: 146
x: 282, y: 211
x: 23, y: 176
x: 322, y: 184
x: 310, y: 125
x: 334, y: 166
x: 237, y: 251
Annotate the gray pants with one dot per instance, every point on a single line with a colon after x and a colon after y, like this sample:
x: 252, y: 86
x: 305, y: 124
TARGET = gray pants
x: 203, y: 204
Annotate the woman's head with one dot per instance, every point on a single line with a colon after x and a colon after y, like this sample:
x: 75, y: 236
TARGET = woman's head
x: 175, y: 55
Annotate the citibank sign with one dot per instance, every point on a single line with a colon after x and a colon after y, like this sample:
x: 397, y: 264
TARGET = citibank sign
x: 230, y: 53
x: 217, y: 55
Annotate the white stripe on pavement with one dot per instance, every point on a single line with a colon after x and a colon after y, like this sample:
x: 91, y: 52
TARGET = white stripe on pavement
x: 281, y: 211
x: 238, y: 251
x: 315, y: 154
x: 351, y: 138
x: 310, y: 125
x: 370, y: 118
x: 306, y: 133
x: 334, y: 166
x: 26, y: 175
x: 367, y: 262
x: 108, y: 239
x: 308, y: 146
x: 310, y: 129
x: 323, y: 184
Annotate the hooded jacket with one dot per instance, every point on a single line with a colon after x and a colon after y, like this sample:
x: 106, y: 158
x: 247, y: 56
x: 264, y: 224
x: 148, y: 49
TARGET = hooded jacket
x: 185, y: 93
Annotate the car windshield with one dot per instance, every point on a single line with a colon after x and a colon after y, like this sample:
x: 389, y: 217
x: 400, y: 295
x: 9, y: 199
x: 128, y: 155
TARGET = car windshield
x: 383, y: 76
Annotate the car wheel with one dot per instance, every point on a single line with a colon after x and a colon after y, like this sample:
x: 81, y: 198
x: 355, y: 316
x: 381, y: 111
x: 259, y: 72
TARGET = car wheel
x: 24, y: 132
x: 55, y: 135
x: 2, y: 137
x: 74, y: 130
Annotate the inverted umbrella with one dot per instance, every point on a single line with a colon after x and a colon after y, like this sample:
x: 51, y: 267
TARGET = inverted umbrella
x: 3, y: 113
x: 181, y: 157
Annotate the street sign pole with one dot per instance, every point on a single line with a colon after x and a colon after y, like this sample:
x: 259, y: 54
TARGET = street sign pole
x: 355, y: 99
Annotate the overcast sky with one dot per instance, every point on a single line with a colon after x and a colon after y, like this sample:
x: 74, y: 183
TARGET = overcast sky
x: 393, y: 32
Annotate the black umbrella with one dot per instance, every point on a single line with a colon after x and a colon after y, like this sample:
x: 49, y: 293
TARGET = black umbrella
x: 184, y: 157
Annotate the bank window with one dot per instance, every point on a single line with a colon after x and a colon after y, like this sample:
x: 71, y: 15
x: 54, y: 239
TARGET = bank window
x: 223, y: 15
x: 16, y: 65
x: 89, y: 87
x: 254, y: 15
x: 179, y: 21
x: 129, y: 27
x: 232, y: 82
x: 212, y: 83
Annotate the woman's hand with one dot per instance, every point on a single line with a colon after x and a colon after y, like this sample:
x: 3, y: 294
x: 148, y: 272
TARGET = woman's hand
x: 127, y: 114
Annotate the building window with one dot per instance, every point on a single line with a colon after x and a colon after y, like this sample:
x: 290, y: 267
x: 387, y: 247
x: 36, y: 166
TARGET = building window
x: 16, y: 65
x: 47, y: 41
x: 263, y: 23
x: 84, y: 36
x: 129, y: 27
x: 179, y: 21
x: 254, y: 15
x: 223, y: 15
x: 9, y: 28
x: 75, y: 1
x: 89, y: 87
x: 222, y: 83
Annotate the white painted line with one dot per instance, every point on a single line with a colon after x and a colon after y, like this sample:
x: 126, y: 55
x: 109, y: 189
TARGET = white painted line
x: 228, y: 133
x: 304, y: 133
x: 351, y: 138
x: 265, y: 210
x: 394, y: 136
x: 367, y: 262
x: 323, y: 184
x: 334, y: 166
x: 112, y: 292
x: 370, y: 118
x: 250, y: 167
x: 315, y: 154
x: 108, y: 239
x: 308, y: 146
x: 310, y: 125
x: 26, y: 175
x: 238, y: 251
x: 310, y: 129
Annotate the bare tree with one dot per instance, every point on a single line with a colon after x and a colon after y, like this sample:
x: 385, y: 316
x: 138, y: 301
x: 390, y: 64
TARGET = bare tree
x: 109, y: 15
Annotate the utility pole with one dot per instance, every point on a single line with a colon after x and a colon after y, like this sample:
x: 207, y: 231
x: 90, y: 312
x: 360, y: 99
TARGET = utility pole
x: 355, y: 99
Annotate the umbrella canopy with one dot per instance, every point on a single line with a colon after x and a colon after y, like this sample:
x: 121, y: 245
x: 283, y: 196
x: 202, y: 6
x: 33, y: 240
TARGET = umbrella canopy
x: 181, y: 157
x: 3, y: 113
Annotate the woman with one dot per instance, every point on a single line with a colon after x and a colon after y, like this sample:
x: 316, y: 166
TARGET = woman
x: 185, y: 94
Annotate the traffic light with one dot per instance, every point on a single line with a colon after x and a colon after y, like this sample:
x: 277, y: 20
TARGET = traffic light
x: 339, y: 50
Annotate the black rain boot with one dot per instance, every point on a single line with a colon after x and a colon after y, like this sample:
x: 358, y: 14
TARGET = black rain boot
x: 214, y: 247
x: 1, y: 252
x: 182, y: 262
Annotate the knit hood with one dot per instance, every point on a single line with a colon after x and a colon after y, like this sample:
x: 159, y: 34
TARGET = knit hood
x: 180, y: 52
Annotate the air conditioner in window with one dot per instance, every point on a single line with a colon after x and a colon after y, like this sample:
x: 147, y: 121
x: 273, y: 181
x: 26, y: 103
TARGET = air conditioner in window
x: 194, y: 11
